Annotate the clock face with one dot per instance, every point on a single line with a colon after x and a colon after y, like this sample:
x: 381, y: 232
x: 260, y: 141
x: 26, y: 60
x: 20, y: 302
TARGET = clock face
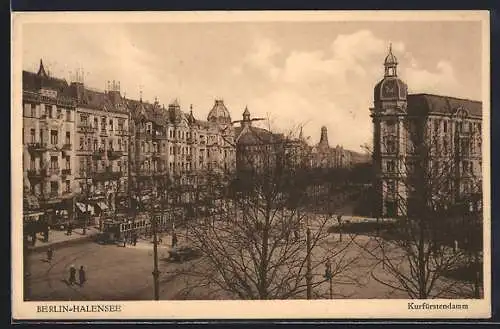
x: 389, y: 90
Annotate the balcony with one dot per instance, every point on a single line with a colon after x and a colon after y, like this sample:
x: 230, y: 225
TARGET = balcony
x: 113, y: 154
x: 37, y: 147
x: 66, y: 172
x: 66, y: 147
x: 121, y: 132
x: 52, y: 171
x: 86, y: 129
x: 98, y: 154
x: 103, y: 132
x: 36, y: 174
x: 106, y: 175
x: 156, y: 154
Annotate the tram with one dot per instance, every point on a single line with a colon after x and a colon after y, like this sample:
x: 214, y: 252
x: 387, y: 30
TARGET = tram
x: 116, y: 230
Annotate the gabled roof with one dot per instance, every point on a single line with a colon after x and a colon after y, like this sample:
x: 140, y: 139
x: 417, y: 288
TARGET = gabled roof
x: 424, y: 104
x: 34, y: 82
x: 249, y: 135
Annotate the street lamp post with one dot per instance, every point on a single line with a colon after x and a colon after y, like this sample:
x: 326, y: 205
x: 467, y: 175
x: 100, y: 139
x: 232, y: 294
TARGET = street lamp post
x: 156, y: 272
x: 308, y: 260
x: 329, y: 276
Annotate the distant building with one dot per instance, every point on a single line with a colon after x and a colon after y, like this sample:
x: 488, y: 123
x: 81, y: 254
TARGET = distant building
x: 446, y: 130
x: 324, y: 156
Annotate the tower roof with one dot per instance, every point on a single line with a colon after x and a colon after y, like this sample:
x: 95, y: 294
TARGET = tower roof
x: 41, y: 69
x: 219, y: 113
x: 390, y: 59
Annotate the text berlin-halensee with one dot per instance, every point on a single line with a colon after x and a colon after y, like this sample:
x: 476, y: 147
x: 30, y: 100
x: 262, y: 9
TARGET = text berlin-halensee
x: 75, y: 308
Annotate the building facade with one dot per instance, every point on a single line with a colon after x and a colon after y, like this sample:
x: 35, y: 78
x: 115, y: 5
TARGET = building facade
x: 82, y: 147
x: 48, y: 140
x: 423, y: 142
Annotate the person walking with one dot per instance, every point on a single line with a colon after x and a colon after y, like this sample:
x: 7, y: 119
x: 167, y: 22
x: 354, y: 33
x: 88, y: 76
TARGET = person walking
x: 174, y: 240
x: 50, y: 253
x: 72, y: 275
x: 81, y: 276
x: 134, y: 239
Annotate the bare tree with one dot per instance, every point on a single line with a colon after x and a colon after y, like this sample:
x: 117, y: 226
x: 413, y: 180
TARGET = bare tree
x: 430, y: 184
x: 263, y: 241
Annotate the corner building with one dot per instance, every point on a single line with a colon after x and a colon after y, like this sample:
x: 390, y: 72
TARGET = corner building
x: 447, y: 128
x: 48, y: 141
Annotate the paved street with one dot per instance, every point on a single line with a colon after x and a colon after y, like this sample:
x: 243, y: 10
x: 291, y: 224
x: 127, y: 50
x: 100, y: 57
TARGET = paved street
x: 118, y: 273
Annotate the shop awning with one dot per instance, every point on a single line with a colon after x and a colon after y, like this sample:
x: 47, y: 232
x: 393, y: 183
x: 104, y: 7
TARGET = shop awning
x: 83, y: 207
x: 102, y: 205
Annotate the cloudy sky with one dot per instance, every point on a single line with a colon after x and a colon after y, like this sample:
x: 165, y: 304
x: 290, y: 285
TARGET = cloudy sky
x: 311, y: 73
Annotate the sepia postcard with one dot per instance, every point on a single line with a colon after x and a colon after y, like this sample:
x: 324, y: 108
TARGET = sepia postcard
x: 251, y: 165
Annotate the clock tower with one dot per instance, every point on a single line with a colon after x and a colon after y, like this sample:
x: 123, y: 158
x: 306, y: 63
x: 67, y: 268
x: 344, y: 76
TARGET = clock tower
x: 388, y: 116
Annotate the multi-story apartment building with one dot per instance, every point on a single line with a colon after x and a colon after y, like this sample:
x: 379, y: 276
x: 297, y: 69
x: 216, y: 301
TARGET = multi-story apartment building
x: 48, y: 140
x: 101, y: 145
x: 423, y: 144
x: 170, y: 143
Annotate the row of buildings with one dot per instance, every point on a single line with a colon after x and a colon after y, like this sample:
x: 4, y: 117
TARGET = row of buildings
x: 83, y: 147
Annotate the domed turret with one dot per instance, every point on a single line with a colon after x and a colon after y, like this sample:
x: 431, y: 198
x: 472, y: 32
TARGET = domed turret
x: 219, y: 113
x: 391, y: 88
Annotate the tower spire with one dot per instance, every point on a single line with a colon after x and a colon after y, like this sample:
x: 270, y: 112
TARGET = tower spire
x: 324, y: 137
x: 41, y: 69
x: 390, y: 63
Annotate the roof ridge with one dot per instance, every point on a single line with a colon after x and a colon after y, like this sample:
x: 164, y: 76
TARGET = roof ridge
x: 444, y: 96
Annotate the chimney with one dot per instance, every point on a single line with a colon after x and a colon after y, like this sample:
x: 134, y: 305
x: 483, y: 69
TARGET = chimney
x: 114, y: 92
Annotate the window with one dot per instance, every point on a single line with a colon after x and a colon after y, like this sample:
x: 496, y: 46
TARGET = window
x: 445, y: 127
x: 68, y: 162
x: 54, y: 188
x: 68, y: 138
x: 53, y: 162
x: 95, y: 145
x: 82, y: 166
x: 119, y: 144
x: 436, y: 126
x: 390, y: 166
x: 143, y: 147
x: 32, y: 135
x: 119, y: 164
x: 68, y: 186
x: 53, y: 137
x: 32, y: 162
x: 83, y: 119
x: 111, y: 124
x: 59, y: 114
x: 68, y: 115
x: 391, y: 188
x: 82, y: 142
x: 111, y: 145
x: 33, y: 110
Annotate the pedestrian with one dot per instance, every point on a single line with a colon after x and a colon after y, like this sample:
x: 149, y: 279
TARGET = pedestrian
x: 50, y: 253
x: 174, y: 239
x: 72, y: 275
x: 70, y: 229
x: 81, y: 276
x: 135, y: 239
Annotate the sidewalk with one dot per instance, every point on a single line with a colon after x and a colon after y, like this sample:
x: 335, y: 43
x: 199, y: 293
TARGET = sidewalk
x: 59, y: 239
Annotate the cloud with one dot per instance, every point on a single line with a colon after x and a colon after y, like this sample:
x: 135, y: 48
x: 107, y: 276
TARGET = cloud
x: 441, y: 80
x: 334, y: 86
